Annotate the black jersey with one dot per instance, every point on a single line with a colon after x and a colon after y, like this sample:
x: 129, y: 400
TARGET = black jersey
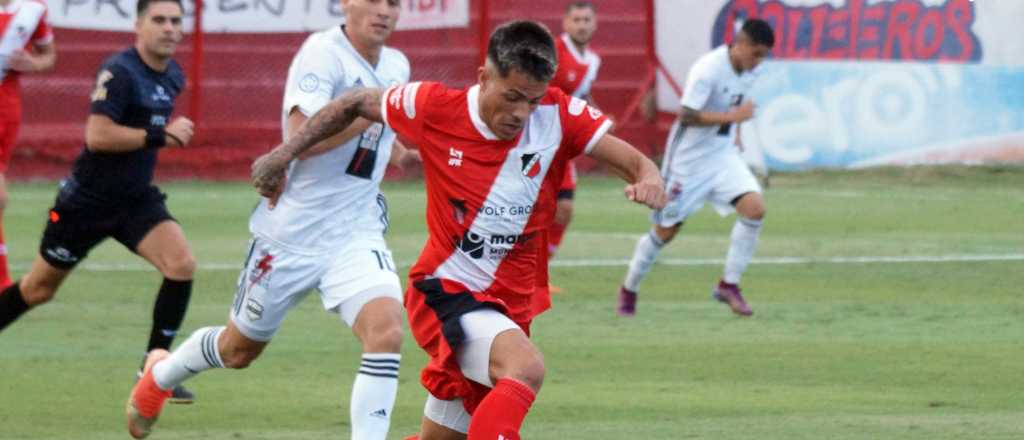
x: 131, y: 94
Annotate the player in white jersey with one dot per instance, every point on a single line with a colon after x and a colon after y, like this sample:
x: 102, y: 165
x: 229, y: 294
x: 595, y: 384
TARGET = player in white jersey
x: 325, y: 232
x: 702, y: 163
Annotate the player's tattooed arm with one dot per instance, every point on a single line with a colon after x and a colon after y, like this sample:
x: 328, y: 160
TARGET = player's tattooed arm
x: 269, y: 170
x: 741, y: 113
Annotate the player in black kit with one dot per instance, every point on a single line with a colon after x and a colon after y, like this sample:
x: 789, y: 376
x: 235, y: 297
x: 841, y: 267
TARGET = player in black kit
x: 110, y: 192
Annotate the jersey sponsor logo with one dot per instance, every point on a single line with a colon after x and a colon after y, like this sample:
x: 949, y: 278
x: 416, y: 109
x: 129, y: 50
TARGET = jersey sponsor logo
x: 594, y: 113
x: 61, y: 254
x: 510, y: 211
x: 493, y: 247
x: 309, y: 83
x: 531, y: 164
x: 253, y: 309
x: 160, y: 94
x: 454, y: 157
x: 576, y: 106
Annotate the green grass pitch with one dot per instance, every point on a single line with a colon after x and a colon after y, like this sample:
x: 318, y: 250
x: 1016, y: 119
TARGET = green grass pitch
x: 888, y: 306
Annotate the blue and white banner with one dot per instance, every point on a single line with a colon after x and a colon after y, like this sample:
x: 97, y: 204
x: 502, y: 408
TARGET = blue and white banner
x: 840, y: 114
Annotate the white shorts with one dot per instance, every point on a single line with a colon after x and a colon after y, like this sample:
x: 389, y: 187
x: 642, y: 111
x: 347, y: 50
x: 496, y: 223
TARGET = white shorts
x: 274, y: 280
x: 474, y: 355
x: 721, y: 184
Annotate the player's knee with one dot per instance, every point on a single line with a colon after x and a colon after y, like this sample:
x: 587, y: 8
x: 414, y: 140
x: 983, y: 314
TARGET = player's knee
x: 35, y: 294
x: 238, y: 359
x: 531, y: 371
x: 756, y: 212
x: 180, y: 267
x: 384, y: 339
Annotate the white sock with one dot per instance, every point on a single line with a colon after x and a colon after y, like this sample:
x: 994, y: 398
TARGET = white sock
x: 741, y: 248
x: 373, y: 396
x: 198, y: 353
x: 646, y: 252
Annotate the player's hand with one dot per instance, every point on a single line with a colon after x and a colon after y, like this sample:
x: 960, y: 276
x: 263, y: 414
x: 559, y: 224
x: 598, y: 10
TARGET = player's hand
x: 21, y: 61
x: 269, y: 174
x: 651, y: 194
x: 410, y: 159
x: 180, y: 131
x: 744, y: 112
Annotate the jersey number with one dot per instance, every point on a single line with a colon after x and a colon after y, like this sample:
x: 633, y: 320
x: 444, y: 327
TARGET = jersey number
x: 365, y: 159
x: 723, y: 130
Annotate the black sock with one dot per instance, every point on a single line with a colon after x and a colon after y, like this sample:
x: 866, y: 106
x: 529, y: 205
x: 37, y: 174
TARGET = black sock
x: 168, y: 312
x: 12, y: 305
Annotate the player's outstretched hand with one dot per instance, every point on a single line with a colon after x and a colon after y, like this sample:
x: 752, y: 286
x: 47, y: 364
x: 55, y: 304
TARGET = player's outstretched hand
x: 744, y: 112
x: 268, y: 175
x: 647, y: 193
x: 21, y: 61
x: 410, y: 159
x: 180, y: 131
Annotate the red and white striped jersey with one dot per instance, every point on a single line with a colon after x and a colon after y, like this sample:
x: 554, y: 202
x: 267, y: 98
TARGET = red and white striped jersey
x: 489, y: 200
x: 576, y: 71
x: 22, y: 25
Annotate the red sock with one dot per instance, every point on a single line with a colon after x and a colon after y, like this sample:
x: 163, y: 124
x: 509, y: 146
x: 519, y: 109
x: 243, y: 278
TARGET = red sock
x: 5, y: 276
x: 501, y: 413
x: 555, y: 234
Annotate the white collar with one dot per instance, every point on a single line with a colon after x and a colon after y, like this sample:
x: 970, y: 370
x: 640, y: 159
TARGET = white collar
x: 346, y: 43
x: 473, y: 101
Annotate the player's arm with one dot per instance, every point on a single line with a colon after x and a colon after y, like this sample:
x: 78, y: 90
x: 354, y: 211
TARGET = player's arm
x: 403, y: 157
x: 42, y: 58
x: 645, y: 183
x: 296, y: 118
x: 268, y: 172
x: 691, y: 116
x: 103, y: 135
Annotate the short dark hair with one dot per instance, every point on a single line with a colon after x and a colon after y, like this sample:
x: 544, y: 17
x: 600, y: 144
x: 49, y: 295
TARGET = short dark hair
x: 523, y: 45
x: 759, y: 31
x: 141, y: 7
x: 580, y: 4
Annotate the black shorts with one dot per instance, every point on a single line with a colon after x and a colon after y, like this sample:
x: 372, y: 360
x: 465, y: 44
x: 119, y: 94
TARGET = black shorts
x: 74, y: 227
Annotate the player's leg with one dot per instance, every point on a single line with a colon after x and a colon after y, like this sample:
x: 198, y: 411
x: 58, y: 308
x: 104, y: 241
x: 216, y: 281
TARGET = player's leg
x: 8, y: 135
x: 443, y: 420
x: 271, y: 283
x: 164, y: 246
x: 740, y: 189
x: 36, y: 287
x: 363, y: 288
x: 71, y: 231
x: 687, y: 194
x: 515, y: 371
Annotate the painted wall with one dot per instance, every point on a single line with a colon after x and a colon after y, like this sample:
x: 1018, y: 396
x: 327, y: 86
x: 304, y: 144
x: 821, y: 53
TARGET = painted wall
x: 868, y: 82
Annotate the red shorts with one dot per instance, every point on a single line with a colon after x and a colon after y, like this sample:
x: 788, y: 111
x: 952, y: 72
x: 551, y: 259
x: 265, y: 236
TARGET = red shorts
x: 8, y: 136
x: 568, y: 185
x: 434, y: 307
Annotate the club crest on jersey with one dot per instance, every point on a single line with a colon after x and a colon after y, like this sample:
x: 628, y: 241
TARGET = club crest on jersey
x: 576, y: 106
x: 309, y: 83
x: 531, y: 164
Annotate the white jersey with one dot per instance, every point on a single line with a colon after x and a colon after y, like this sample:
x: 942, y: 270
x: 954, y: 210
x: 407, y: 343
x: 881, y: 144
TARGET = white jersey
x: 331, y: 195
x: 712, y: 85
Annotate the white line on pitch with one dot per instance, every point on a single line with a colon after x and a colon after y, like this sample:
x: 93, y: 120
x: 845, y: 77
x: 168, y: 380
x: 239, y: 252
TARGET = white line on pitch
x: 619, y: 262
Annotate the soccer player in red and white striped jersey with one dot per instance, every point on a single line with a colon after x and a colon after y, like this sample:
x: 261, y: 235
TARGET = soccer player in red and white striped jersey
x: 577, y: 70
x: 26, y: 46
x: 493, y: 156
